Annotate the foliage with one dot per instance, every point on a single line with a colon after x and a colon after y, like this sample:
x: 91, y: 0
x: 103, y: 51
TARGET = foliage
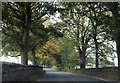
x: 86, y: 30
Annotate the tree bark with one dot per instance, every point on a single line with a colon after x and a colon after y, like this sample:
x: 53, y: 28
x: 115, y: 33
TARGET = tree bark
x: 118, y: 54
x: 94, y: 32
x: 26, y: 18
x: 116, y: 28
x: 118, y: 51
x: 24, y: 56
x: 96, y: 52
x: 82, y: 57
x: 34, y: 61
x: 81, y: 51
x: 43, y: 60
x: 24, y: 48
x: 82, y: 62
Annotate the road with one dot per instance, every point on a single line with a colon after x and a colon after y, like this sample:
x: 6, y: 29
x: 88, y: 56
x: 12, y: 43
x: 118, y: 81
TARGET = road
x: 60, y: 77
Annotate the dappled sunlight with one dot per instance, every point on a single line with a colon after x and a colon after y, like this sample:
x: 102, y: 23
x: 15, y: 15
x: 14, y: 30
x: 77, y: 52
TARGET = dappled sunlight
x: 60, y: 37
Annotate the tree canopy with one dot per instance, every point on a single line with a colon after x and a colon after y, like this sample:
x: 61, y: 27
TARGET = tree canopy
x: 82, y: 35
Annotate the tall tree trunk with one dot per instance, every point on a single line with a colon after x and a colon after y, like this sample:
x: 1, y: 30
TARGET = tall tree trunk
x: 116, y: 26
x: 82, y: 62
x: 34, y: 61
x: 94, y: 32
x: 24, y: 56
x: 118, y: 51
x: 24, y: 48
x: 82, y: 57
x: 81, y: 51
x: 25, y: 39
x: 43, y: 60
x: 118, y: 54
x: 96, y: 52
x: 0, y: 26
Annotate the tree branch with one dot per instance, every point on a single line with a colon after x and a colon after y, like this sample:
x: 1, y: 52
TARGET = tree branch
x: 36, y: 19
x: 14, y: 10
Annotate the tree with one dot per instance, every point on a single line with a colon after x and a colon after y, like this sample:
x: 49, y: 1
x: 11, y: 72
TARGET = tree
x: 83, y: 24
x: 68, y: 58
x: 17, y: 19
x: 78, y: 30
x: 115, y: 27
x: 0, y: 29
x: 41, y: 37
x: 111, y: 21
x: 12, y: 30
x: 95, y: 13
x: 47, y: 51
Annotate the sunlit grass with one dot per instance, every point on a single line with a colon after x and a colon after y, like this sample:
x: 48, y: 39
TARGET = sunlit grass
x: 100, y: 75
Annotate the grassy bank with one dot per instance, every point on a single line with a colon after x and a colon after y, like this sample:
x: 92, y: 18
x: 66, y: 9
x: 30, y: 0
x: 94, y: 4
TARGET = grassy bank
x: 99, y: 75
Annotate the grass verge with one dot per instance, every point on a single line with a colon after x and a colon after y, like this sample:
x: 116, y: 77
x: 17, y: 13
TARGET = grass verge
x: 100, y: 75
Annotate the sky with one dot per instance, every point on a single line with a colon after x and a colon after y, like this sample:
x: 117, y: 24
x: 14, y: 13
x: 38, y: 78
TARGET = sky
x: 13, y: 59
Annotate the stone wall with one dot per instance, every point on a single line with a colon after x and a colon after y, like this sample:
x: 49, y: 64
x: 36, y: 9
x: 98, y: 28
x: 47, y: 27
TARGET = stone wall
x: 17, y: 72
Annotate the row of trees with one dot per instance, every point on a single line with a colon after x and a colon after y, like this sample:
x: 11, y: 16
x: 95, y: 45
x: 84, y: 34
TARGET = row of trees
x: 23, y: 27
x: 92, y: 22
x: 63, y: 54
x: 88, y: 30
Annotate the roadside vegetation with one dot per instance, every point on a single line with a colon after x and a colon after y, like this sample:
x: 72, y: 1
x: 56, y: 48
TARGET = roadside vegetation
x: 95, y: 74
x: 67, y: 35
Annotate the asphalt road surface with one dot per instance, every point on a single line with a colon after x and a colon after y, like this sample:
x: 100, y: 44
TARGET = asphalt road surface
x: 53, y: 76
